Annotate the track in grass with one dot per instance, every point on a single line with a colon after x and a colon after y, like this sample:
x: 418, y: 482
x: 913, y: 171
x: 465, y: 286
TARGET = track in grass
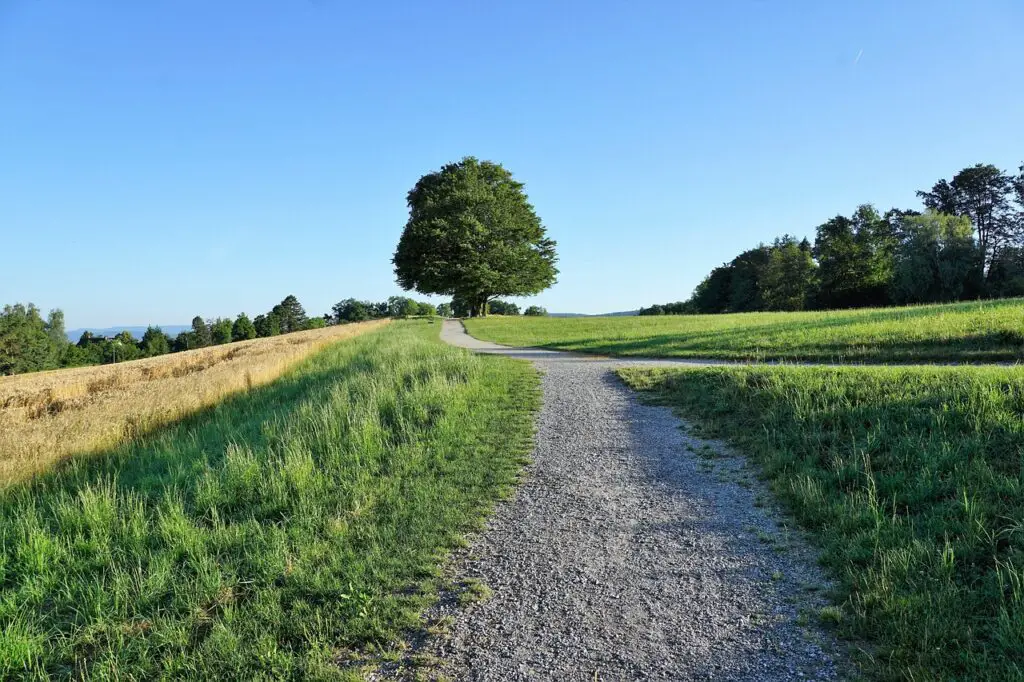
x: 979, y: 332
x: 287, y: 533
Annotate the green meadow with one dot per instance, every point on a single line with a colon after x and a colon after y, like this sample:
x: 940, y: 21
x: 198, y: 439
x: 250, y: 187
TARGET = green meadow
x: 912, y: 481
x: 294, y: 531
x: 986, y: 331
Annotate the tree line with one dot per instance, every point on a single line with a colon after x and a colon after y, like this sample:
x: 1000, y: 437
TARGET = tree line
x: 30, y: 343
x: 352, y: 310
x: 966, y: 243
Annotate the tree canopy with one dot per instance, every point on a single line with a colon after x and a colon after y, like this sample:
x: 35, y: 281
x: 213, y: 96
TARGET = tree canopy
x: 473, y: 234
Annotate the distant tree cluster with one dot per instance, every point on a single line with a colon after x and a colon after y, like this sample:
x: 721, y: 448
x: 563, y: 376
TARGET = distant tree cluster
x: 968, y: 243
x: 462, y: 307
x: 352, y: 310
x: 29, y: 343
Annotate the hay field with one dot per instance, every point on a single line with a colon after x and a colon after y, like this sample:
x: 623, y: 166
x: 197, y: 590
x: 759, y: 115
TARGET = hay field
x: 48, y: 416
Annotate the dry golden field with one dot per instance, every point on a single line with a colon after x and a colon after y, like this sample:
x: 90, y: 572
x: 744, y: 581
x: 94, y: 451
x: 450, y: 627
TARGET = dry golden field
x: 48, y: 416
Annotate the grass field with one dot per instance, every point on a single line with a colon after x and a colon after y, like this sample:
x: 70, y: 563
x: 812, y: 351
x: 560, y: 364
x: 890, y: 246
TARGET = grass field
x: 286, y: 533
x: 911, y: 478
x: 990, y: 331
x: 48, y: 416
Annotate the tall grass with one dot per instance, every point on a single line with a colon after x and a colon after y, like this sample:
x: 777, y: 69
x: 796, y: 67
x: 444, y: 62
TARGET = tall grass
x: 48, y: 416
x: 988, y: 331
x: 911, y: 478
x: 283, y: 534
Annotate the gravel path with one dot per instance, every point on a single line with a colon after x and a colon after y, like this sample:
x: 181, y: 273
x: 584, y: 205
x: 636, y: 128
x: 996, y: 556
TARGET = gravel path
x: 632, y: 551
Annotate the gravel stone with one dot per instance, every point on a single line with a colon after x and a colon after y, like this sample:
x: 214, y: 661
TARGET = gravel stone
x: 631, y: 551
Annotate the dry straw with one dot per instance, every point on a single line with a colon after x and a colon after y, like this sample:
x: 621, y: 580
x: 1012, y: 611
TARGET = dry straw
x: 48, y: 416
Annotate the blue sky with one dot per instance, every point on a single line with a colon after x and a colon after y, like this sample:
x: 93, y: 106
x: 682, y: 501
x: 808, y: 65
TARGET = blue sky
x: 163, y: 159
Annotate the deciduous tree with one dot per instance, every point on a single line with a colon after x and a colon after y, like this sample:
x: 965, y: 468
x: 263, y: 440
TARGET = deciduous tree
x: 983, y: 194
x: 351, y: 310
x: 472, y: 232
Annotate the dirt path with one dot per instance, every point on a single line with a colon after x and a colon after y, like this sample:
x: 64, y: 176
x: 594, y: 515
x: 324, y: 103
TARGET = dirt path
x: 632, y: 551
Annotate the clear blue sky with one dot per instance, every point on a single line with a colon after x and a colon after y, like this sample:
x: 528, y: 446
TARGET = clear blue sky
x: 166, y: 158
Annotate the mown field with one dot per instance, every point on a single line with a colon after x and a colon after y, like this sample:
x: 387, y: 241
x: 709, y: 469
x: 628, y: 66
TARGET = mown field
x: 911, y: 479
x: 988, y: 331
x: 291, y: 531
x: 48, y: 416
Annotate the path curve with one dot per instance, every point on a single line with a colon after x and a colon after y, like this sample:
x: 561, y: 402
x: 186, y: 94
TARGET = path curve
x: 625, y: 555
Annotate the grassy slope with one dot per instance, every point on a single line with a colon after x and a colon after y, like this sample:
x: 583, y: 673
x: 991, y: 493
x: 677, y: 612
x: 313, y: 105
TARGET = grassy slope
x: 912, y: 479
x: 991, y: 331
x: 272, y: 536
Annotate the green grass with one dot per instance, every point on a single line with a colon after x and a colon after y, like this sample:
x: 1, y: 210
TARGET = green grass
x: 281, y: 535
x: 911, y: 479
x: 990, y: 331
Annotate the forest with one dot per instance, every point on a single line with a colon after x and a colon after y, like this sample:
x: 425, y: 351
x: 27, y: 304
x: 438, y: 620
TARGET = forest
x: 965, y: 243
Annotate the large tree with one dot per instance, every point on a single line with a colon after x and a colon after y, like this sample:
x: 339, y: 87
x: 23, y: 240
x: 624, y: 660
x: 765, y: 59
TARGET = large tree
x: 982, y: 193
x: 473, y: 234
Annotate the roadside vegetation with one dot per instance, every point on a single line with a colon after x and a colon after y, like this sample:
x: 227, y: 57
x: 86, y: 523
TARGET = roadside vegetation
x: 290, y: 532
x: 985, y: 331
x: 46, y: 417
x: 911, y: 480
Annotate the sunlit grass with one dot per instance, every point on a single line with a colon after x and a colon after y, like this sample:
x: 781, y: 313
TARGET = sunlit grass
x: 47, y: 416
x: 989, y: 331
x: 287, y: 533
x: 911, y: 478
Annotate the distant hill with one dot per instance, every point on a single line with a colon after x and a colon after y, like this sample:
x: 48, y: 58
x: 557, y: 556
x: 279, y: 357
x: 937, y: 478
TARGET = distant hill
x: 624, y: 313
x: 137, y: 332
